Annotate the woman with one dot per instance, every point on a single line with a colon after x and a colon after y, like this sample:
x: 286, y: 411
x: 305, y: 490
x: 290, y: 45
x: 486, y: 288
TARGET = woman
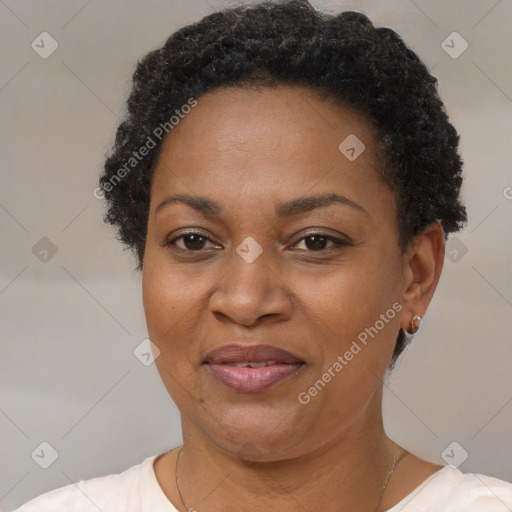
x: 287, y: 180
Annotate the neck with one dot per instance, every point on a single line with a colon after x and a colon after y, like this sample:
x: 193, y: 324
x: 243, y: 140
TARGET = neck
x: 346, y: 472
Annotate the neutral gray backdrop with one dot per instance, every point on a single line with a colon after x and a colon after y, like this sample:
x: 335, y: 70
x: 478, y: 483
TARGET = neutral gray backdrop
x: 71, y: 320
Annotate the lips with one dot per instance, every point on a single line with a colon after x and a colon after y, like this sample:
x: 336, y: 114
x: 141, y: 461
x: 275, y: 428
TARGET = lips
x: 252, y: 368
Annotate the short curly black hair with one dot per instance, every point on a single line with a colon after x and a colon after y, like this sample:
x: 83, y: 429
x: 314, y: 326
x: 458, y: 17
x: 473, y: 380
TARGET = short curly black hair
x: 291, y: 43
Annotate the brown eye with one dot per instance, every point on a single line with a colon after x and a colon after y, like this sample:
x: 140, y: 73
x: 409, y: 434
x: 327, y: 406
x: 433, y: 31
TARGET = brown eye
x: 193, y: 242
x: 317, y: 242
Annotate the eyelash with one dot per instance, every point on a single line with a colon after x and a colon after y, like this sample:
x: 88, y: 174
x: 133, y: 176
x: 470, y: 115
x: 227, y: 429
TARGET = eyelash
x: 338, y: 243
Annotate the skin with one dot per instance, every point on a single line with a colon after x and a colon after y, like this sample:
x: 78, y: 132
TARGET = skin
x: 249, y: 150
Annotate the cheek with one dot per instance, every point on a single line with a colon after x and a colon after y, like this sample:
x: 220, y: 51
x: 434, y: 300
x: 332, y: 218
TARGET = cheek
x: 352, y: 297
x: 166, y: 301
x: 169, y: 295
x: 174, y: 304
x: 169, y: 306
x: 358, y: 342
x: 354, y: 307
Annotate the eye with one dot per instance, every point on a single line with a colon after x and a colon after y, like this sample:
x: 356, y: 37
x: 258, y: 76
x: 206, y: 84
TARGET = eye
x: 317, y: 242
x: 193, y: 241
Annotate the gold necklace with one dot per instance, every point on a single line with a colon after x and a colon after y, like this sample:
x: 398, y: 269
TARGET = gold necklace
x: 386, y: 482
x: 390, y: 474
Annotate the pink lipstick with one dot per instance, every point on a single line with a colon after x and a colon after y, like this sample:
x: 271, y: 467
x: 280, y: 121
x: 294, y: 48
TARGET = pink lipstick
x: 252, y: 368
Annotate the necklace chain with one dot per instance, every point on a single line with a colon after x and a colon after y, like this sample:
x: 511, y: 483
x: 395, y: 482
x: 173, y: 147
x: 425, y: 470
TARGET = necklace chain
x: 386, y: 481
x: 390, y: 474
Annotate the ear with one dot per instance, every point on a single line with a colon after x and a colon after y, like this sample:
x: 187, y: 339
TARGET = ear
x: 422, y: 267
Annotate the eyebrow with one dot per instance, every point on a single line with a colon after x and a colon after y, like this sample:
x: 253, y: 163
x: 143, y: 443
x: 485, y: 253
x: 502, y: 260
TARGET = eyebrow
x: 210, y: 208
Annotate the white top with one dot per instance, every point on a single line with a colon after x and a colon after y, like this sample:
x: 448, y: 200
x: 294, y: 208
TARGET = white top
x: 137, y: 490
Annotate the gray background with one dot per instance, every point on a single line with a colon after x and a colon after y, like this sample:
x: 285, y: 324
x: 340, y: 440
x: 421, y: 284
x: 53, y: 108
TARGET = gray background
x: 70, y: 324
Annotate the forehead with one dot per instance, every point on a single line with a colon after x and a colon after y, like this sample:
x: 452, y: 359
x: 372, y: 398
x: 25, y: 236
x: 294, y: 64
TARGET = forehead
x: 231, y: 116
x: 238, y: 144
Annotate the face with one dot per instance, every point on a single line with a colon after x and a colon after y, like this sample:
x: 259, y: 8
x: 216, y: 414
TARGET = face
x: 318, y: 283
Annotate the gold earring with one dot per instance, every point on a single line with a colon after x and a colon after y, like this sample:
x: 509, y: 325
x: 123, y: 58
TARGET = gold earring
x: 415, y: 324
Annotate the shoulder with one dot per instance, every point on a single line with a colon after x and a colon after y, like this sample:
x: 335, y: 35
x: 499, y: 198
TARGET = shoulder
x: 449, y: 489
x: 489, y: 492
x: 117, y: 491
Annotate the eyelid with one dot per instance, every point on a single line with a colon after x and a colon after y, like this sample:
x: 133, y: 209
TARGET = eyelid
x: 336, y: 240
x: 169, y: 241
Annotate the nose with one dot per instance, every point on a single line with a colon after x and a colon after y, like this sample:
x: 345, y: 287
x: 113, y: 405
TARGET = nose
x: 250, y: 293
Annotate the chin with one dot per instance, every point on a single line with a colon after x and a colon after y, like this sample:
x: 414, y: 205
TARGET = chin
x: 257, y: 441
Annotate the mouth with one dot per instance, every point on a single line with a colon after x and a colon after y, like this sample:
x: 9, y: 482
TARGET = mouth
x: 252, y: 368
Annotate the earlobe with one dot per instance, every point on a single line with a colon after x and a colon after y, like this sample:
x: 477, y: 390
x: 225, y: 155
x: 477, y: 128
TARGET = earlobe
x: 423, y: 264
x: 415, y: 324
